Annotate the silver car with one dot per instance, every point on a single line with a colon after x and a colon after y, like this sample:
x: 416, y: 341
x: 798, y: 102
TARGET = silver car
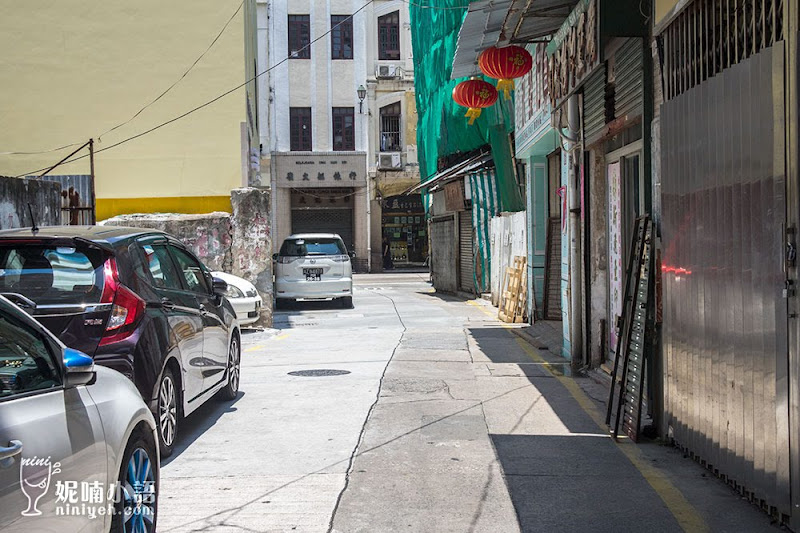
x: 77, y: 443
x: 313, y: 266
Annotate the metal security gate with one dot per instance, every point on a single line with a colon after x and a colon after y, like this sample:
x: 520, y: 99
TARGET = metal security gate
x: 725, y: 356
x: 466, y: 259
x: 324, y: 220
x: 444, y: 253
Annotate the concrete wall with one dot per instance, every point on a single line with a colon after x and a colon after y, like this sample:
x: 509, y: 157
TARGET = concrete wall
x: 15, y: 195
x: 252, y: 244
x: 238, y: 243
x: 209, y: 236
x: 93, y: 67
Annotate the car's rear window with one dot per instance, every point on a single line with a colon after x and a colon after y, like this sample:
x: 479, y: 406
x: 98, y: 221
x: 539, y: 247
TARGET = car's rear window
x: 52, y: 275
x: 313, y: 246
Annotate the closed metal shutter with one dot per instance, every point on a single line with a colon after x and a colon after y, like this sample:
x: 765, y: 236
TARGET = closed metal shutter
x: 629, y: 89
x: 594, y: 104
x: 466, y: 254
x: 444, y: 253
x: 339, y: 221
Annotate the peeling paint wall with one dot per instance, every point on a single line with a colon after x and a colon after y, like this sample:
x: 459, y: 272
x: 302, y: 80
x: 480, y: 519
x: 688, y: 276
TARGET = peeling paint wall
x: 252, y: 244
x: 44, y: 198
x: 239, y: 243
x: 208, y: 236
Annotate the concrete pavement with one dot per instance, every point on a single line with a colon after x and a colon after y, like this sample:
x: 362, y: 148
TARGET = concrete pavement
x: 445, y: 422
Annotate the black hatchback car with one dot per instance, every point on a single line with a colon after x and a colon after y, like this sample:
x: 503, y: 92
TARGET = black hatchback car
x: 136, y: 300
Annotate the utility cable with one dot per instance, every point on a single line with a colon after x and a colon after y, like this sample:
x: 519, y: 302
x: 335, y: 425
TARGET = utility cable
x: 438, y: 8
x: 196, y: 61
x: 208, y: 103
x: 148, y: 105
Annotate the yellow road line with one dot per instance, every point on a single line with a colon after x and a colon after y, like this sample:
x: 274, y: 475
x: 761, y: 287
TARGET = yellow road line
x: 683, y: 511
x: 254, y: 348
x: 281, y: 337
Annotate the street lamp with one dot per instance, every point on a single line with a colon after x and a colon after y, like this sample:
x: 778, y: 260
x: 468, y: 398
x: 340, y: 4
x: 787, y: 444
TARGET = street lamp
x: 362, y: 93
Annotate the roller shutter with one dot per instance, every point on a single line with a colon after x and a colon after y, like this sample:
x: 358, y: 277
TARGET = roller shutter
x: 466, y: 254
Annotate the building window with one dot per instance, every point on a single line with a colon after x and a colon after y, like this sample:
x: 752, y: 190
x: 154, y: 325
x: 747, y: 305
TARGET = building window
x: 299, y: 37
x: 389, y: 36
x: 390, y: 128
x: 300, y: 129
x: 344, y: 133
x: 341, y: 37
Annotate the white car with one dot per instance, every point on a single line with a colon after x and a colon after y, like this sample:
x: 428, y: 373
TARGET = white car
x: 243, y: 296
x: 313, y: 266
x: 78, y: 445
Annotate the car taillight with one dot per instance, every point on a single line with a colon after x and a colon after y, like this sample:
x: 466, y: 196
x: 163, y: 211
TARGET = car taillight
x: 286, y: 259
x: 126, y: 309
x: 341, y: 258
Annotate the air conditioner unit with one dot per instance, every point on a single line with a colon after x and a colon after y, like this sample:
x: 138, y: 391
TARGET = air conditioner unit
x: 390, y: 161
x: 388, y: 72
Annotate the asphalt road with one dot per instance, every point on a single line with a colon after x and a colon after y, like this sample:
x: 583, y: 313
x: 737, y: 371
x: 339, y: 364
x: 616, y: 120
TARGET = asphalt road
x: 441, y: 420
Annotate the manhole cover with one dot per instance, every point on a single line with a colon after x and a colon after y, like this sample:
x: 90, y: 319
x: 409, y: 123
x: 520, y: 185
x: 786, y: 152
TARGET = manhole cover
x: 319, y: 372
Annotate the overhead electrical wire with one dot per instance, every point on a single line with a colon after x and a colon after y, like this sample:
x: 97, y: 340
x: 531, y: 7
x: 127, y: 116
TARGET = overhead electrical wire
x: 208, y: 103
x: 159, y: 97
x: 441, y: 8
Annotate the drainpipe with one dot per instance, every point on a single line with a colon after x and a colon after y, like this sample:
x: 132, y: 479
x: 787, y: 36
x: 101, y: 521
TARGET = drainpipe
x: 574, y: 232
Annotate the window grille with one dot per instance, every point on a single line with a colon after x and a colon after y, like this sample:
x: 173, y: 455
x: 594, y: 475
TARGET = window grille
x: 390, y: 128
x: 712, y: 35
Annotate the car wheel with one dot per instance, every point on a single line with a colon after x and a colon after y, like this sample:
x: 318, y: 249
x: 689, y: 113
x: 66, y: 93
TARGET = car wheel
x: 167, y: 416
x: 136, y: 506
x: 347, y: 302
x: 231, y: 389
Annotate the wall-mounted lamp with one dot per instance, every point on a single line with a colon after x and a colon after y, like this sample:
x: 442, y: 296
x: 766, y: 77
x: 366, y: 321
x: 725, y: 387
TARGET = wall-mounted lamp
x: 362, y: 93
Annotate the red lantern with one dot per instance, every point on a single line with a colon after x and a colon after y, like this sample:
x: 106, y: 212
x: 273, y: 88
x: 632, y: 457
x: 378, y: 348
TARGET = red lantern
x: 504, y: 64
x: 474, y: 94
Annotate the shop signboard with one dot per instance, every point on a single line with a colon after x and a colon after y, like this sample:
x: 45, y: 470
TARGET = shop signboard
x: 320, y: 169
x: 532, y: 102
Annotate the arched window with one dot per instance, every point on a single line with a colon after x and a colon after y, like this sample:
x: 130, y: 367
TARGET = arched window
x: 390, y: 128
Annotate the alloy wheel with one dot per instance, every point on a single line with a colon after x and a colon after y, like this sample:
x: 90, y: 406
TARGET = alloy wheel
x: 234, y: 361
x: 167, y: 410
x: 139, y: 493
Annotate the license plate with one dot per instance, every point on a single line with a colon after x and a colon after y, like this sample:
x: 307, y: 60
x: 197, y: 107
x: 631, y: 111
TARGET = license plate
x: 312, y: 274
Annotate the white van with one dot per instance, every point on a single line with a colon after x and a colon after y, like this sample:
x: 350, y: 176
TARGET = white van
x: 313, y: 266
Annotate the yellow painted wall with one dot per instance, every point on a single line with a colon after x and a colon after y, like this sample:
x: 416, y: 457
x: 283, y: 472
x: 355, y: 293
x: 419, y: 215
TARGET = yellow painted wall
x: 71, y: 69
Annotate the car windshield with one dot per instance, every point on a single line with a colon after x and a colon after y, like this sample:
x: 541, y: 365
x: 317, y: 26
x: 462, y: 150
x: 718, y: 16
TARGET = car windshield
x: 54, y: 275
x: 313, y: 246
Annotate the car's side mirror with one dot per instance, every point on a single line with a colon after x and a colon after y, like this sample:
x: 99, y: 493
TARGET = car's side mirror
x: 352, y: 255
x: 79, y: 367
x: 274, y: 257
x: 220, y: 286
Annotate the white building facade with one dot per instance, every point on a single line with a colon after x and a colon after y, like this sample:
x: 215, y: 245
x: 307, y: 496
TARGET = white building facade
x: 337, y: 118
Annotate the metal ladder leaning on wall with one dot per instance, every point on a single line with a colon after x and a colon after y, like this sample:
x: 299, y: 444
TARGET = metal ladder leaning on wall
x: 635, y: 332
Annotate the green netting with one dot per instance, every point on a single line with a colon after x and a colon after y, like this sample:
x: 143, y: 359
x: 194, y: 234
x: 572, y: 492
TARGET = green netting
x: 442, y: 128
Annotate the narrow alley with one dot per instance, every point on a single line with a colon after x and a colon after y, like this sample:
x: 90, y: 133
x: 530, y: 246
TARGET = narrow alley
x: 430, y: 415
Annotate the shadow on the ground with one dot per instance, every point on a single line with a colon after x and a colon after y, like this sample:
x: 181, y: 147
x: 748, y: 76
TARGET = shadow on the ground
x: 569, y: 463
x: 200, y: 421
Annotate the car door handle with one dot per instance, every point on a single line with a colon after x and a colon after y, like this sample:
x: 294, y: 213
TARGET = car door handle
x: 166, y: 303
x: 14, y: 448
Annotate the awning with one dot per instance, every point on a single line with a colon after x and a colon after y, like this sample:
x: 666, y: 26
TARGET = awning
x: 503, y: 22
x: 456, y: 171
